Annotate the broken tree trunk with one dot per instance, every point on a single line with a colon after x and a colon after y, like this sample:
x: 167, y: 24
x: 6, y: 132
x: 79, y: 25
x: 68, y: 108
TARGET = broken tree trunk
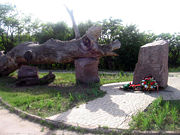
x: 86, y: 69
x: 28, y: 75
x: 56, y: 51
x: 85, y: 51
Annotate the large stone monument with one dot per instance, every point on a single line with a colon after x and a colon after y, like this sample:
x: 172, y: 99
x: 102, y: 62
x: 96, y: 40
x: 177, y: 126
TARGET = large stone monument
x: 153, y: 60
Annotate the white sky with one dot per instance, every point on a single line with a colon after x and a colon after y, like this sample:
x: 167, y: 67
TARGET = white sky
x: 149, y: 15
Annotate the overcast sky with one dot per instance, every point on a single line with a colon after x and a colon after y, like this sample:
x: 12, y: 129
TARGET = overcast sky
x: 149, y: 15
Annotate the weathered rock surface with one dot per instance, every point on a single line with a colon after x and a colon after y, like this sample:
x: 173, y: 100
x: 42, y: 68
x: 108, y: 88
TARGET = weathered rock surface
x: 153, y: 60
x: 87, y: 70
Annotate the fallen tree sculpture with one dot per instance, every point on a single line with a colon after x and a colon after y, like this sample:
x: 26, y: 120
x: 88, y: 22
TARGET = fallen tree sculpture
x: 56, y: 51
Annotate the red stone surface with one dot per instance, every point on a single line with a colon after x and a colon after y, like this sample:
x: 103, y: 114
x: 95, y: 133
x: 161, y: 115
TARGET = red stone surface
x: 153, y: 60
x: 87, y: 70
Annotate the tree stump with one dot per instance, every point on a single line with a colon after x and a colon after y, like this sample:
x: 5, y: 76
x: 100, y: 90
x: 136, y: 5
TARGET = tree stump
x: 27, y: 75
x: 87, y: 70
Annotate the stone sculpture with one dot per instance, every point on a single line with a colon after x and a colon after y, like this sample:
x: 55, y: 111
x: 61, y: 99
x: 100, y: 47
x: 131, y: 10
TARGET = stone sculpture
x: 153, y: 60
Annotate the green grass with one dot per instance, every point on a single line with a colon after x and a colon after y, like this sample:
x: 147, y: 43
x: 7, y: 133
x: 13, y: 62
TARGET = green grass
x: 160, y: 115
x: 177, y: 69
x: 56, y: 97
x: 112, y: 78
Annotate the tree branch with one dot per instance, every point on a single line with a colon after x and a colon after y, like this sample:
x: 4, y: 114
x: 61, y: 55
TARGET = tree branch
x: 76, y: 30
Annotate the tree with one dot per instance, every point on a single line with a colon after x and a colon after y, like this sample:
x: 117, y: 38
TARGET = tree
x: 29, y: 29
x: 110, y: 31
x: 14, y: 28
x: 131, y: 40
x: 174, y: 47
x: 8, y: 26
x: 83, y: 27
x: 58, y: 30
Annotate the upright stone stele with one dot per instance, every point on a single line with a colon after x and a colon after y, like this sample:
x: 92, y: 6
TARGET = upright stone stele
x: 153, y: 60
x: 87, y: 70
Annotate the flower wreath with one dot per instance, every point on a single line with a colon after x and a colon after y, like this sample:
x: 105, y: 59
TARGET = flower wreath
x: 148, y: 84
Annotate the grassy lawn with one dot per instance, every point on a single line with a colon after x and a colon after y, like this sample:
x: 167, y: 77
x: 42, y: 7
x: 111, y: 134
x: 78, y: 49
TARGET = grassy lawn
x: 56, y: 97
x: 160, y: 115
x: 174, y: 69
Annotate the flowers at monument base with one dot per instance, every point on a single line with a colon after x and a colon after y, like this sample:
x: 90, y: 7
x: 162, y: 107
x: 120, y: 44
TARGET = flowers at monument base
x: 148, y: 84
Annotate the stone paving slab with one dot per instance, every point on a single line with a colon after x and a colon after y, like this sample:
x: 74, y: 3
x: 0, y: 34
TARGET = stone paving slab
x: 116, y: 108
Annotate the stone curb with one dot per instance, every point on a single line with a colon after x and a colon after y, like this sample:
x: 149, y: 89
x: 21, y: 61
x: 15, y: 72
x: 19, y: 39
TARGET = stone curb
x: 66, y: 126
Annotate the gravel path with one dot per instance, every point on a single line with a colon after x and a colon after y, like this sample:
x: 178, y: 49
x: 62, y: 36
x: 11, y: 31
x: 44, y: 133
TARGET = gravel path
x: 116, y: 108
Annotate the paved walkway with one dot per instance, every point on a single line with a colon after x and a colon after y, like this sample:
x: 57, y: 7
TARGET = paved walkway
x: 11, y: 124
x: 116, y: 108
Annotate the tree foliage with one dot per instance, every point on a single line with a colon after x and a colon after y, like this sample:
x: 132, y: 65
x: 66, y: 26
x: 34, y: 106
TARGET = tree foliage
x: 15, y: 28
x: 174, y: 47
x: 58, y: 30
x: 131, y: 40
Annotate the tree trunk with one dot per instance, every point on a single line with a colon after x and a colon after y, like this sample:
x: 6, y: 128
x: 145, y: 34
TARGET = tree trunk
x: 56, y: 51
x: 84, y: 51
x: 87, y: 70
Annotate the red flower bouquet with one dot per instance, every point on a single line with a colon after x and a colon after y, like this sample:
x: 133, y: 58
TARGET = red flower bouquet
x: 148, y: 84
